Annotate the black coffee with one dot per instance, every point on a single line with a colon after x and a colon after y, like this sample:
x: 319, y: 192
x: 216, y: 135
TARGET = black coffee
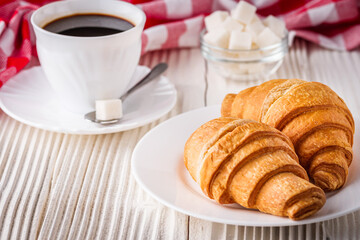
x: 88, y: 25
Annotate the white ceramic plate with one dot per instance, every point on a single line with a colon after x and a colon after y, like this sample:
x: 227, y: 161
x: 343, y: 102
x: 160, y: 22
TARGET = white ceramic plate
x: 29, y: 98
x: 157, y: 164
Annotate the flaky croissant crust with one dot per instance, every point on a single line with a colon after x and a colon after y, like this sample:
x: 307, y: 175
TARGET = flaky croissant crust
x: 313, y: 116
x: 250, y: 163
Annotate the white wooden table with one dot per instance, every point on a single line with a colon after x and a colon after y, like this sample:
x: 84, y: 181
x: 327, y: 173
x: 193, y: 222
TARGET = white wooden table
x: 58, y: 186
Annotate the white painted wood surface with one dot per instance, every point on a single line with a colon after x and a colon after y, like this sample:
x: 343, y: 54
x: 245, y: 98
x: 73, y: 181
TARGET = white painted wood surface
x: 57, y: 186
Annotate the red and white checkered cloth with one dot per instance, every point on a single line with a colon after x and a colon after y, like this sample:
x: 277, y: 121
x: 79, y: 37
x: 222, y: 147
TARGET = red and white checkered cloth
x: 333, y: 24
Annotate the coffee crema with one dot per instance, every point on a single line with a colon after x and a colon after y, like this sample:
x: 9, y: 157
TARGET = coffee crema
x: 88, y: 25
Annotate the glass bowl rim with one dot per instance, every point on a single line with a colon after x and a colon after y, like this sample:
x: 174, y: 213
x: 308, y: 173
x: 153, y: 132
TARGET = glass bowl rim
x: 283, y: 43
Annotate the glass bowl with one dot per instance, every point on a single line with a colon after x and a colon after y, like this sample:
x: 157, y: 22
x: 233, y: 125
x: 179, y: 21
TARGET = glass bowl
x: 245, y: 65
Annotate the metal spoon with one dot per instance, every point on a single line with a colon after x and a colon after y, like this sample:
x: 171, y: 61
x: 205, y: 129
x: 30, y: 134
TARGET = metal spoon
x: 156, y: 71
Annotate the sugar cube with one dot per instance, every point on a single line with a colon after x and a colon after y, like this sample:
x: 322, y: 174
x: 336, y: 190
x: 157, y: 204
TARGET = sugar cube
x: 218, y: 38
x: 108, y: 109
x: 214, y: 20
x: 243, y: 69
x: 250, y: 55
x: 244, y: 12
x: 255, y: 68
x: 276, y: 25
x: 239, y: 40
x: 231, y: 24
x: 254, y: 28
x: 254, y: 45
x: 267, y: 38
x: 237, y: 69
x: 255, y: 19
x: 232, y: 13
x: 228, y: 55
x: 231, y: 70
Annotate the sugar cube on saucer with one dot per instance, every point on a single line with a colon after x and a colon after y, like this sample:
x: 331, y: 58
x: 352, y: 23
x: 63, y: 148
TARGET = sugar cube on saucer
x: 108, y: 109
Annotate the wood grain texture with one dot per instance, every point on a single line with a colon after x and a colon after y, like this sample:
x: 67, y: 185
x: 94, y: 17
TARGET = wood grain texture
x: 58, y: 186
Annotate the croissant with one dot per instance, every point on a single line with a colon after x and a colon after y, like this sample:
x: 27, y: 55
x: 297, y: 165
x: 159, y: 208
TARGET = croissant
x: 313, y: 116
x: 252, y: 164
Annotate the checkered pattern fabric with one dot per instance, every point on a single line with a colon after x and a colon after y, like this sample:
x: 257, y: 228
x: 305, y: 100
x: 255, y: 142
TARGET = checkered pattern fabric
x: 333, y: 24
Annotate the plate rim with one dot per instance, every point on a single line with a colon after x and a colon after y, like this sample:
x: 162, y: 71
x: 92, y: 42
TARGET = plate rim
x: 98, y: 131
x: 137, y: 177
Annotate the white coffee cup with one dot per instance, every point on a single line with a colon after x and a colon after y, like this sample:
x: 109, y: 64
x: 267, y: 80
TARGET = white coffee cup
x: 82, y: 70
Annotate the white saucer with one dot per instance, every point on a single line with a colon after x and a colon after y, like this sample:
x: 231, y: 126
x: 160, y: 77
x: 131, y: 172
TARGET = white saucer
x: 29, y: 99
